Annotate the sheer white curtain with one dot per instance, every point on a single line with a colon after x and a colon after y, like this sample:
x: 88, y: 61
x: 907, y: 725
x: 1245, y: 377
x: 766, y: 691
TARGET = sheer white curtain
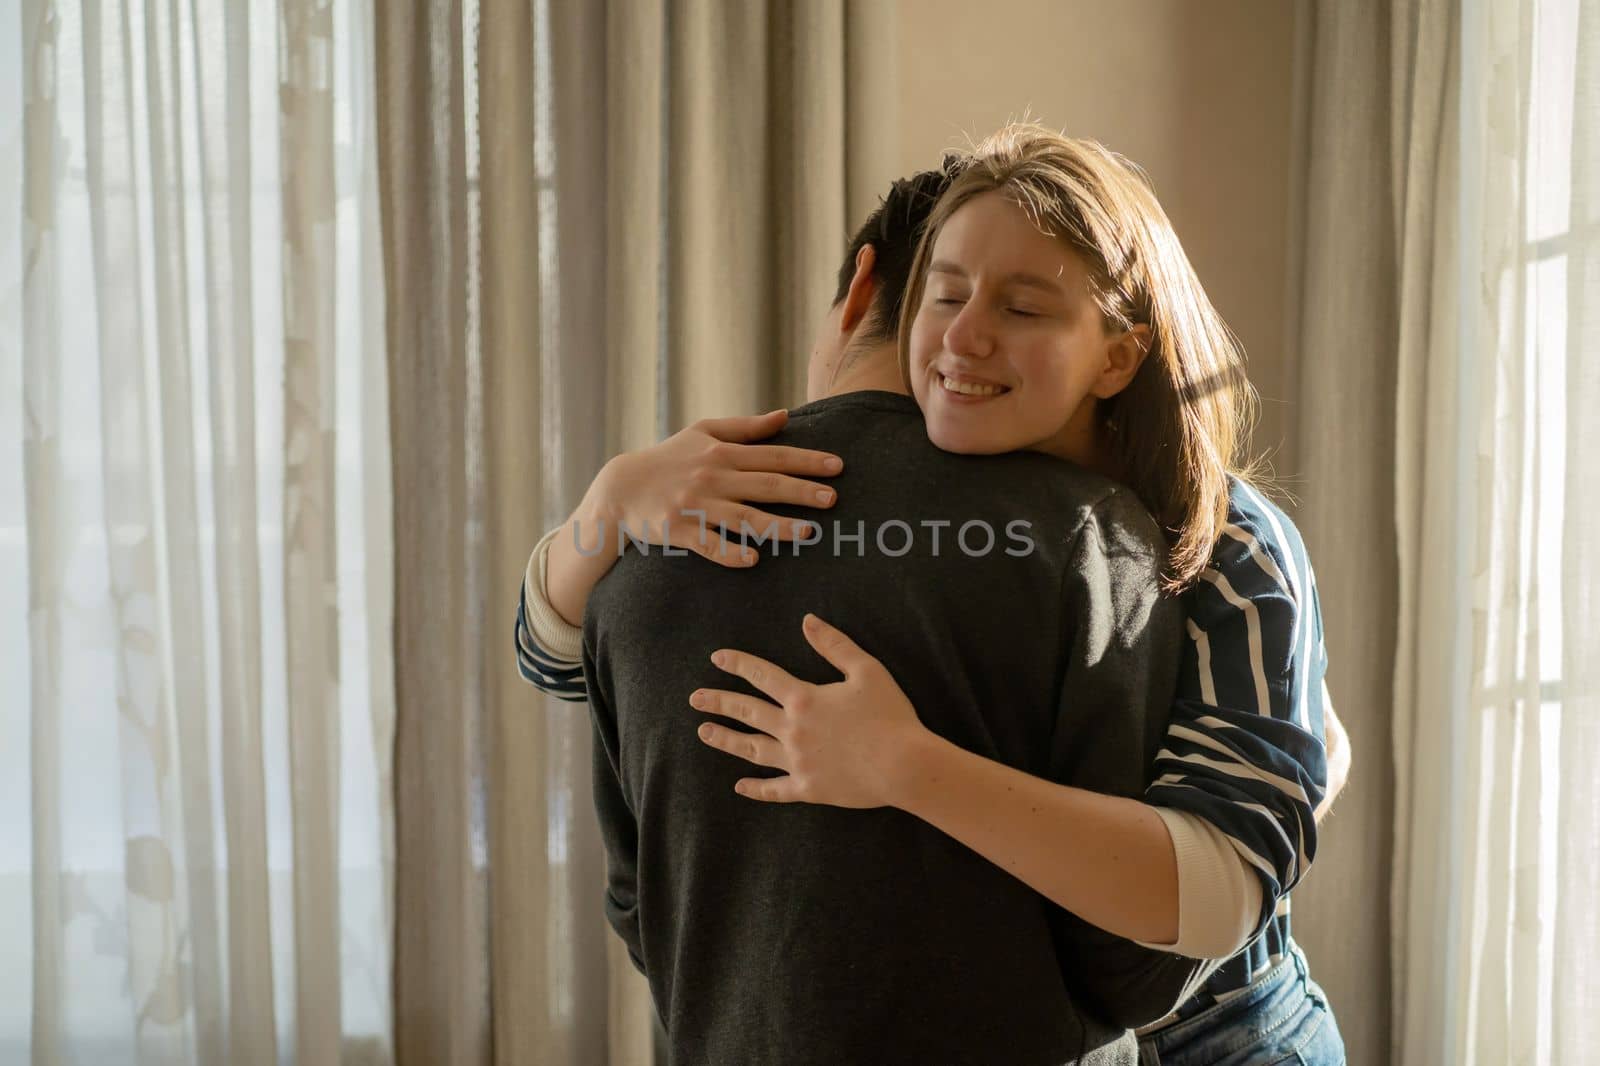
x: 195, y: 559
x: 1497, y: 716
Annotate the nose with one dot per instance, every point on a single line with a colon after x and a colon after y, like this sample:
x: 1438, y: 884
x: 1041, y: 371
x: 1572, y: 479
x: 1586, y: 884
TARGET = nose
x: 969, y: 333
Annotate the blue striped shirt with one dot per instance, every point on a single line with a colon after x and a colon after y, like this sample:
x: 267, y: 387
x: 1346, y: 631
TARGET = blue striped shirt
x: 1244, y: 745
x: 557, y: 677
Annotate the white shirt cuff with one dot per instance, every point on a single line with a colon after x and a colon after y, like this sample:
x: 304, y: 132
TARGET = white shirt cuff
x: 555, y: 636
x: 1219, y: 894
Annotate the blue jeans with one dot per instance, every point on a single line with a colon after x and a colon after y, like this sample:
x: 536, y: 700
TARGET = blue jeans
x: 1283, y: 1017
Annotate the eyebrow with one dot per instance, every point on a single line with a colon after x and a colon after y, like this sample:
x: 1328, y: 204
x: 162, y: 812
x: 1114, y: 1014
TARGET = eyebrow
x: 1019, y: 278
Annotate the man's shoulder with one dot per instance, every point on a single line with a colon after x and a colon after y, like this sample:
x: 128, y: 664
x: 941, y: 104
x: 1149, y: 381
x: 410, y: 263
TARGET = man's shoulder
x: 887, y: 434
x: 891, y: 403
x: 836, y: 420
x: 1122, y: 523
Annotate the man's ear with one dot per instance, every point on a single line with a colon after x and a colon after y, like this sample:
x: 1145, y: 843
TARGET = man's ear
x: 1124, y: 355
x: 863, y: 288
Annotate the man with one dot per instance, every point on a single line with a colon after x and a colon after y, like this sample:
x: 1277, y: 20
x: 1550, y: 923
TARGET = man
x: 797, y: 934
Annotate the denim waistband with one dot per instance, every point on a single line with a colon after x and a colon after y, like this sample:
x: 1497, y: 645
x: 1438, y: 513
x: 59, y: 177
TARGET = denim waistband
x: 1271, y: 998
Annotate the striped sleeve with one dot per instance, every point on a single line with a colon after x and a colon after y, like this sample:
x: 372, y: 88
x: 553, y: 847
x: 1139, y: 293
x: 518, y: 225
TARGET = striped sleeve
x: 1244, y: 746
x: 543, y: 638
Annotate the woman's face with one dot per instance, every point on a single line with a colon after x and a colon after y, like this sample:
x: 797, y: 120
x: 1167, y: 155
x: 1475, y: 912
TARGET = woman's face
x: 1007, y: 347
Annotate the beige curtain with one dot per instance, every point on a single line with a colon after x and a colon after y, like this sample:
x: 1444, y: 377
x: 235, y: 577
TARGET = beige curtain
x: 1433, y: 466
x: 196, y: 862
x: 1343, y: 358
x: 441, y: 975
x: 603, y: 221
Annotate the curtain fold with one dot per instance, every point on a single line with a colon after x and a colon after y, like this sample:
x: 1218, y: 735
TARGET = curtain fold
x: 1576, y: 936
x: 441, y: 973
x: 528, y: 957
x: 1430, y: 466
x: 223, y: 111
x: 311, y: 625
x: 38, y: 286
x: 1345, y: 448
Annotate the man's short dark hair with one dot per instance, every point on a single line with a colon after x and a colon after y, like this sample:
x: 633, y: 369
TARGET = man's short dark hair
x: 893, y: 230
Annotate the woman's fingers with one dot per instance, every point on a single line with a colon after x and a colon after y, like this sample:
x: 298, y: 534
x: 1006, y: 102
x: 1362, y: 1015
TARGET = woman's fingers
x: 781, y: 789
x: 757, y: 748
x: 741, y: 708
x: 743, y: 428
x: 754, y: 525
x: 835, y: 646
x: 761, y: 748
x: 724, y: 552
x: 731, y: 535
x: 782, y: 459
x: 769, y: 487
x: 764, y: 676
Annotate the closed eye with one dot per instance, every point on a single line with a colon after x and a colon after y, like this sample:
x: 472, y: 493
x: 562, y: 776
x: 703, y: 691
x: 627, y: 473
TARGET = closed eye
x: 1020, y: 313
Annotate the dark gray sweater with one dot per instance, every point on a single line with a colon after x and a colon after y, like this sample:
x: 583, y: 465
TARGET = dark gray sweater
x: 801, y: 934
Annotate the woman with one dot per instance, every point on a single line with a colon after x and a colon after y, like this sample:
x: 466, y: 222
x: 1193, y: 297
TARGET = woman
x: 1050, y: 307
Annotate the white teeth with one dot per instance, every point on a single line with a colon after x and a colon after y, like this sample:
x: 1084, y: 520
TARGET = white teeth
x: 970, y: 388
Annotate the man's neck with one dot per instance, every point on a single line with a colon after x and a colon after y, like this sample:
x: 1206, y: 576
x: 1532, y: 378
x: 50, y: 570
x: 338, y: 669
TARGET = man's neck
x: 876, y: 368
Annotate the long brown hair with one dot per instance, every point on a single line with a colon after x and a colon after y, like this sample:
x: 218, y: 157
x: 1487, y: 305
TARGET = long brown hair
x: 1179, y: 429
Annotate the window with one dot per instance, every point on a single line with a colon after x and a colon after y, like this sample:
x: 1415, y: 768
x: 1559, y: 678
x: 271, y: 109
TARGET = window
x: 97, y: 794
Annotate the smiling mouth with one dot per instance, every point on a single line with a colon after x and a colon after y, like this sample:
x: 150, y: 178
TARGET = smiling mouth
x: 974, y: 389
